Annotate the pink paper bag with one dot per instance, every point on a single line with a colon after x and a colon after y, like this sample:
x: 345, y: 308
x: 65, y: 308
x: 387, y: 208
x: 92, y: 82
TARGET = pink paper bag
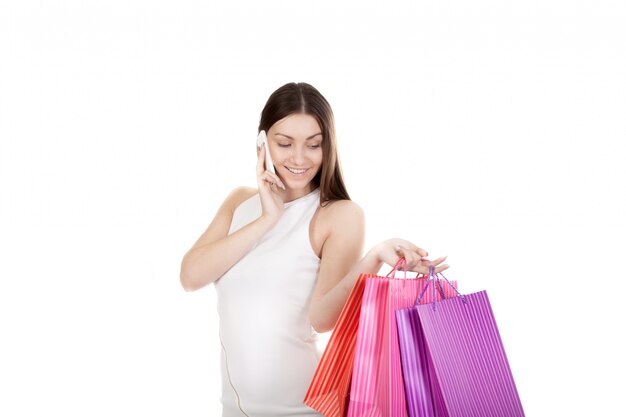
x: 377, y: 387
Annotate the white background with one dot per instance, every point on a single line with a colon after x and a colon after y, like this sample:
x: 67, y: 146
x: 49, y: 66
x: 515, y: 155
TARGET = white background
x: 488, y: 131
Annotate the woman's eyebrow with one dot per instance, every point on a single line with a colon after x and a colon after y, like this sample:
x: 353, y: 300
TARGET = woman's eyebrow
x: 289, y: 137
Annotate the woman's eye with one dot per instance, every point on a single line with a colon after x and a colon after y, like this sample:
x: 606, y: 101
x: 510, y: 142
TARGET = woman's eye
x: 287, y: 145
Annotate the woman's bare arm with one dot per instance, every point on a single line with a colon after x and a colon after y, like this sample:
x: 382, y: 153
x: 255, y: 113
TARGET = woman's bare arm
x: 215, y: 252
x: 341, y: 263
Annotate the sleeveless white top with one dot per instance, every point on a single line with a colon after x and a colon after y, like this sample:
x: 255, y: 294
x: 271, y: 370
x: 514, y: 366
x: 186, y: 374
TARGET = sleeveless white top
x: 269, y: 348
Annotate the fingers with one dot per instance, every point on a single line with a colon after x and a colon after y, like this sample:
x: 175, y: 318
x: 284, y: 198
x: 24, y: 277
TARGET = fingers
x: 276, y: 179
x: 436, y: 262
x: 260, y: 163
x: 264, y: 174
x: 412, y: 258
x: 424, y: 266
x: 272, y: 179
x: 420, y: 251
x: 408, y: 245
x: 416, y: 263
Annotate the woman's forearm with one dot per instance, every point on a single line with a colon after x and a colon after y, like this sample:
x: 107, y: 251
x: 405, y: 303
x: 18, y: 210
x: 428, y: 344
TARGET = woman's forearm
x: 329, y: 307
x: 207, y: 263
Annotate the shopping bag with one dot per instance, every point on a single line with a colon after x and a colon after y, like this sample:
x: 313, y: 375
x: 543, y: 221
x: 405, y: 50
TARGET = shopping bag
x: 422, y: 392
x: 330, y: 385
x: 454, y: 363
x: 377, y: 386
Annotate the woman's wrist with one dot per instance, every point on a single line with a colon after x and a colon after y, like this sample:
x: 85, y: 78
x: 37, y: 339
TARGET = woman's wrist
x: 373, y: 259
x: 268, y: 221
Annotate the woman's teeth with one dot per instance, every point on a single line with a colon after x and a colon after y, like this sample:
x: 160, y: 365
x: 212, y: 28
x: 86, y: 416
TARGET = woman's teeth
x: 296, y: 171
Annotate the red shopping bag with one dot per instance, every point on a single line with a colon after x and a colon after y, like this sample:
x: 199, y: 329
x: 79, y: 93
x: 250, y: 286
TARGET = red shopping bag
x: 330, y: 385
x: 453, y: 359
x: 377, y: 386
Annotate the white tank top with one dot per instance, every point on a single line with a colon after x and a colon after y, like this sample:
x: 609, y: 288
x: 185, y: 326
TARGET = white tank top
x: 269, y: 348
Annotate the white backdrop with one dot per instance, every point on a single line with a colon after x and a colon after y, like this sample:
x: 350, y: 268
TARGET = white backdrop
x: 491, y: 132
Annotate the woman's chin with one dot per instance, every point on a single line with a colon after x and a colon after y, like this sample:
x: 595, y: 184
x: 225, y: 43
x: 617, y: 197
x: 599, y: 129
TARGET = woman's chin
x: 295, y: 186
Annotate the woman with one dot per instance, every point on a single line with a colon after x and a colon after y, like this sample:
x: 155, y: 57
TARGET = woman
x: 284, y: 258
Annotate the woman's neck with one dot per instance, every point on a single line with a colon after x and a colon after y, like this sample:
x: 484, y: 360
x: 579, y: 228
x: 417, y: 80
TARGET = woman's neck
x: 291, y: 195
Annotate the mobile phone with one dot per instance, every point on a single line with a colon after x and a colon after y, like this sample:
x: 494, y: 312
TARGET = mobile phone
x: 262, y: 139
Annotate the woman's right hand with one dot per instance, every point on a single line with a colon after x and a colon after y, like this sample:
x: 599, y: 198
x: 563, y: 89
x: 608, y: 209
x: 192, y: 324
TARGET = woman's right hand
x: 268, y: 184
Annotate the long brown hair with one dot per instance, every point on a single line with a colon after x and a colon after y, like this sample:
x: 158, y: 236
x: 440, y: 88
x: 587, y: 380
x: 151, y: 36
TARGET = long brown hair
x: 303, y: 98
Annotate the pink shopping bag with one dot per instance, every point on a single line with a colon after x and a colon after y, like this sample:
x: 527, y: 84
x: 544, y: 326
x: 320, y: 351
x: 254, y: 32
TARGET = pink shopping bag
x: 377, y: 386
x: 453, y: 359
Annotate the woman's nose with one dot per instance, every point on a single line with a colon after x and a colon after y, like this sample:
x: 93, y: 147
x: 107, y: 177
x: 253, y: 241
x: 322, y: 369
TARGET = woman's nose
x: 297, y: 155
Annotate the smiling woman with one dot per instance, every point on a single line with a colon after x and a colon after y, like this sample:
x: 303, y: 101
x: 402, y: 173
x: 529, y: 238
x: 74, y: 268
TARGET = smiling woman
x: 284, y: 258
x: 294, y: 143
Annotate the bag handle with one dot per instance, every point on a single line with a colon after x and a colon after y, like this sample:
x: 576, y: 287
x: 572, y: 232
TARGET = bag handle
x: 433, y: 276
x: 450, y: 284
x: 401, y: 261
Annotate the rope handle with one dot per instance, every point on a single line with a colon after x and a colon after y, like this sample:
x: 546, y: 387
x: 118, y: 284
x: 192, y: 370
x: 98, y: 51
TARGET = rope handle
x: 433, y: 276
x: 401, y: 261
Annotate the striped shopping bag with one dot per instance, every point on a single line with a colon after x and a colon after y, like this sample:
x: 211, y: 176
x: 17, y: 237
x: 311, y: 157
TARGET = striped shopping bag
x: 453, y: 359
x: 330, y: 385
x: 377, y: 385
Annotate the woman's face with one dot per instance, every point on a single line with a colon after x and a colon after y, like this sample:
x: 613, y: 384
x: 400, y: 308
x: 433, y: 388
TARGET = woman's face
x: 295, y: 144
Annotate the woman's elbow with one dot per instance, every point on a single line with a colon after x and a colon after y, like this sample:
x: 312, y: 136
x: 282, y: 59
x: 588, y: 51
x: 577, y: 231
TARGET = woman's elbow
x: 187, y: 283
x: 320, y: 325
x: 320, y: 328
x: 192, y: 282
x: 187, y: 280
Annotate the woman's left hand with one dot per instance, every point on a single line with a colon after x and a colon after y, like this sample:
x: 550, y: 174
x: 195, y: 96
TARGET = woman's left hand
x: 390, y: 251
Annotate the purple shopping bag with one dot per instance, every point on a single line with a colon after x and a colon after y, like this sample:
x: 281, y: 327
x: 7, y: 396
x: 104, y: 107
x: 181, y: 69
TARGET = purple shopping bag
x: 454, y: 363
x: 422, y: 392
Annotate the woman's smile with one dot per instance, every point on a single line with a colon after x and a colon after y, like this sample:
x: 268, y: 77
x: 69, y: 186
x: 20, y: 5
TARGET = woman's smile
x: 297, y: 172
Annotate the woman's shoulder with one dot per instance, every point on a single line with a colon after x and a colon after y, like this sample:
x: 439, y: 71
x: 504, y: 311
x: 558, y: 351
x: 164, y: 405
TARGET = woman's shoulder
x: 338, y: 212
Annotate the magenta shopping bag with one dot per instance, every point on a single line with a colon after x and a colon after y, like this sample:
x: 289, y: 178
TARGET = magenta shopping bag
x: 453, y: 359
x: 422, y: 391
x: 377, y: 387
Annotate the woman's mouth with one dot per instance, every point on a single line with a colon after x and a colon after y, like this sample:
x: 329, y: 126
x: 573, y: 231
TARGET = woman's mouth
x: 297, y: 172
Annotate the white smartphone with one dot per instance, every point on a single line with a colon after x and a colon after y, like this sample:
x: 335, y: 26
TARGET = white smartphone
x: 262, y: 138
